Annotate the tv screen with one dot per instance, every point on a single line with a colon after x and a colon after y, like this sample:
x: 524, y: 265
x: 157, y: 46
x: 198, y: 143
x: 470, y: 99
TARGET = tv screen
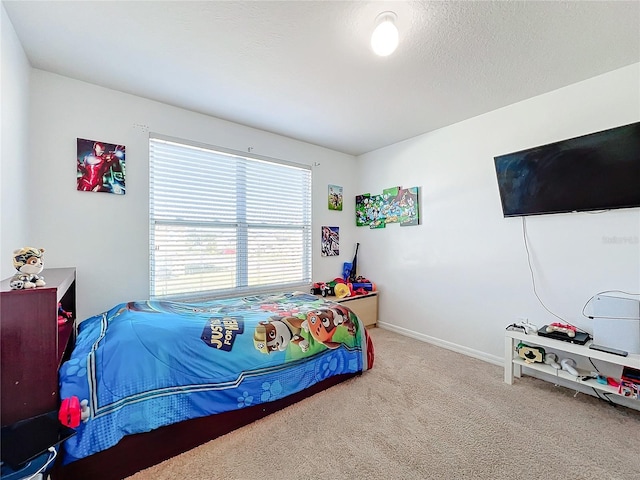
x: 599, y: 171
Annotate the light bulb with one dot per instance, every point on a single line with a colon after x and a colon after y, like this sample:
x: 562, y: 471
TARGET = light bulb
x: 384, y: 39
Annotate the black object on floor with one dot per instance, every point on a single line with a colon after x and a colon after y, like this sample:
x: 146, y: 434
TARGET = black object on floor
x: 30, y: 438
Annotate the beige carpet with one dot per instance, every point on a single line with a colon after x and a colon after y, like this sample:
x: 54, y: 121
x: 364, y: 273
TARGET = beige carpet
x: 425, y: 413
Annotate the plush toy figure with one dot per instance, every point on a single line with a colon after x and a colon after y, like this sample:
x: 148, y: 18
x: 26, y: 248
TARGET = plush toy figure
x: 28, y: 261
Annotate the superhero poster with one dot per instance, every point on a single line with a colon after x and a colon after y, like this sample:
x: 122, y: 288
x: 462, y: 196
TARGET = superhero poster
x: 100, y: 167
x: 330, y: 241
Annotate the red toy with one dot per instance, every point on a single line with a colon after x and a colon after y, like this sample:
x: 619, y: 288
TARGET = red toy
x: 70, y: 412
x: 73, y: 411
x: 63, y: 316
x: 613, y: 382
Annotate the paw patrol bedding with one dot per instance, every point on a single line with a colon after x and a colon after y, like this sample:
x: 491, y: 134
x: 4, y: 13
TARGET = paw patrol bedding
x: 143, y: 365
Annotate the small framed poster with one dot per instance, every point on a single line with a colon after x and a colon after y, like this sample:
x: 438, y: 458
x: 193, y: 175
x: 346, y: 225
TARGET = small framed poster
x: 335, y: 197
x: 100, y: 167
x: 330, y: 241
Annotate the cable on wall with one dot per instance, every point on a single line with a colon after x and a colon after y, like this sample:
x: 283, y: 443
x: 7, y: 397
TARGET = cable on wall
x: 602, y: 293
x: 533, y: 278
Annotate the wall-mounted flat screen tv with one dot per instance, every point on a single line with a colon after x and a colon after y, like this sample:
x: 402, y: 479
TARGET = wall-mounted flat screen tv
x: 599, y: 171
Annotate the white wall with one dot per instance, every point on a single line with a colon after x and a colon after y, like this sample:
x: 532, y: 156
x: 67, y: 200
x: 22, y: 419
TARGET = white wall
x: 461, y: 277
x: 14, y: 135
x: 457, y: 279
x: 106, y: 236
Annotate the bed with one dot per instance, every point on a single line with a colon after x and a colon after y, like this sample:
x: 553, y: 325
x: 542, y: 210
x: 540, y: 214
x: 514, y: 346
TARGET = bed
x: 157, y: 378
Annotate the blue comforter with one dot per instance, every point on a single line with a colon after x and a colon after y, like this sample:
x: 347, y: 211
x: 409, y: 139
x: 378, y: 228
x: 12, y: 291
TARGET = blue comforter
x: 142, y: 365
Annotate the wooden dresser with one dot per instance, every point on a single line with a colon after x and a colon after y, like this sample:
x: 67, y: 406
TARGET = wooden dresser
x: 32, y: 344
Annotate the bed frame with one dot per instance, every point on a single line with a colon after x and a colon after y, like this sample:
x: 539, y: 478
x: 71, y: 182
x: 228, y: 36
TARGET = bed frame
x: 143, y: 450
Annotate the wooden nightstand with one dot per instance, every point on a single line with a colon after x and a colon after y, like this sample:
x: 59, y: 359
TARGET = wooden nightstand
x: 364, y: 306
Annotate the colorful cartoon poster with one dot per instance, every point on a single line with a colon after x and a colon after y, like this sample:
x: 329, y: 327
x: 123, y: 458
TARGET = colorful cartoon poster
x: 330, y: 241
x: 362, y: 203
x: 100, y: 167
x: 376, y: 212
x: 408, y: 202
x: 335, y: 197
x: 395, y: 205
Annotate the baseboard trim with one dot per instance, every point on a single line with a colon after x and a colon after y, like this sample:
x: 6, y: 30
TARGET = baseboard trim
x: 493, y: 359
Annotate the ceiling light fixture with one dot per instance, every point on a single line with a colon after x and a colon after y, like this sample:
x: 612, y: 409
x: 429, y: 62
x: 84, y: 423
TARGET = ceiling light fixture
x: 384, y: 39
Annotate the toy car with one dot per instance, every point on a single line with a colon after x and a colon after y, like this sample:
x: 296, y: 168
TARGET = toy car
x: 321, y: 288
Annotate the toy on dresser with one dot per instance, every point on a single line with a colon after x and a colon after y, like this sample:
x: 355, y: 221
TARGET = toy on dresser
x: 63, y: 315
x: 28, y: 261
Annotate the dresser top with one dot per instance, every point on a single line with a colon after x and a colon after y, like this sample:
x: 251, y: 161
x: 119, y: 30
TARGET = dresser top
x: 55, y: 278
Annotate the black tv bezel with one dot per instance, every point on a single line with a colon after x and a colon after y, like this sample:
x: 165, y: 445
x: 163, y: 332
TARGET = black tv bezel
x: 552, y: 212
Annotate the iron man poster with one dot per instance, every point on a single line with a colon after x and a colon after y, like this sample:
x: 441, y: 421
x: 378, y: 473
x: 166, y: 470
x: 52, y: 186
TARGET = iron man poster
x: 100, y: 167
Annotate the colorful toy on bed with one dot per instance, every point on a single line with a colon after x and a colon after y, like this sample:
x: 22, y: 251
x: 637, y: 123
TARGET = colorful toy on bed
x: 29, y: 263
x: 73, y: 411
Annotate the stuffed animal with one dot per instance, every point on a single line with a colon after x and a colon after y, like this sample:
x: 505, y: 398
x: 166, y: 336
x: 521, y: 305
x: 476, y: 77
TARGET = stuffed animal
x: 28, y: 261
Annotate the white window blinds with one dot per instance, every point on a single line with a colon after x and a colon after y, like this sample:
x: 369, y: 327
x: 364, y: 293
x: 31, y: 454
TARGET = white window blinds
x: 223, y: 223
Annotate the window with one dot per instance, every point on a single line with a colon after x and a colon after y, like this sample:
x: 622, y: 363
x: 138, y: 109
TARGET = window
x: 224, y: 223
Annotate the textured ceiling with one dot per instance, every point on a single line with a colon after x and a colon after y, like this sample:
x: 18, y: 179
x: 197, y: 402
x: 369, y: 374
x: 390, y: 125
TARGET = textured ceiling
x: 304, y: 69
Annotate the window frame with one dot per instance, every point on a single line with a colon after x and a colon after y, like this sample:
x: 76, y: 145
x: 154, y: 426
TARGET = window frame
x: 240, y: 223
